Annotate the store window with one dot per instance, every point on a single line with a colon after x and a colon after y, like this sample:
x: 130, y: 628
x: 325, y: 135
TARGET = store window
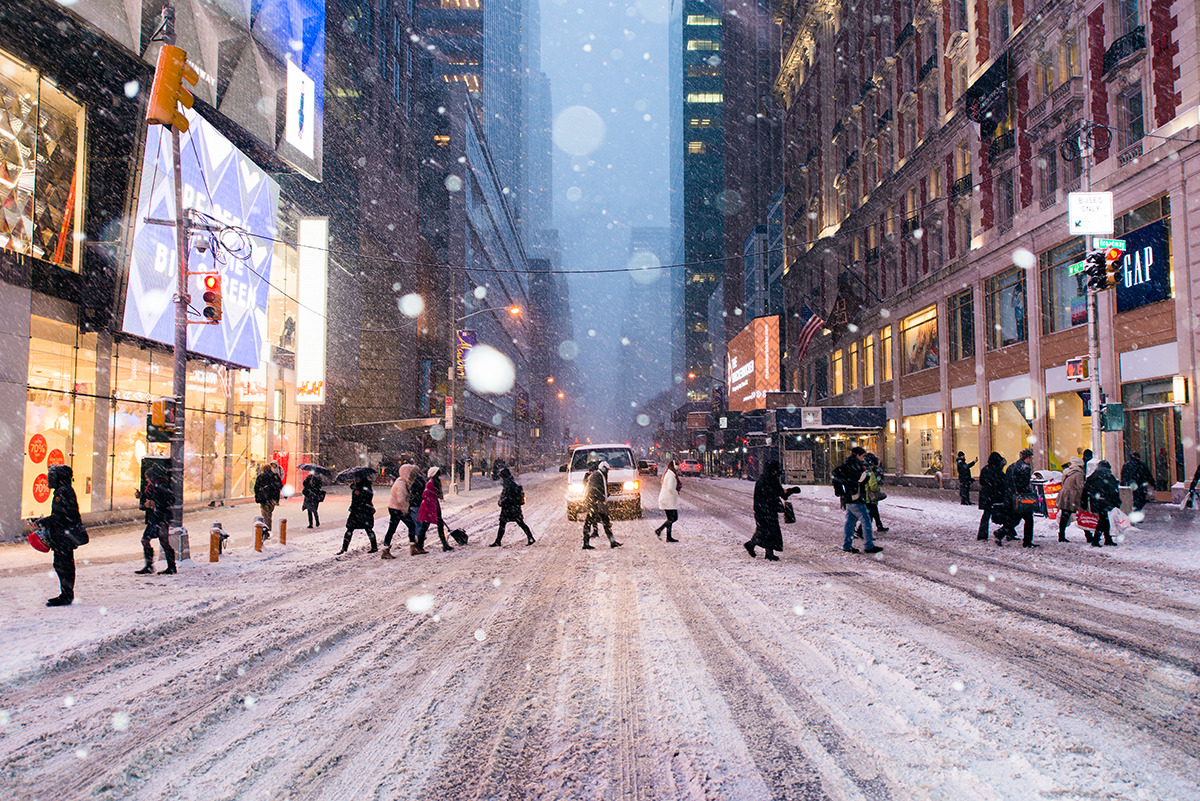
x: 1006, y: 308
x: 919, y: 340
x: 869, y: 361
x: 1069, y: 429
x: 960, y: 314
x: 1154, y: 429
x: 60, y: 412
x: 965, y: 430
x: 922, y: 444
x: 1012, y: 427
x: 1064, y: 296
x: 885, y: 347
x: 852, y: 365
x: 41, y: 166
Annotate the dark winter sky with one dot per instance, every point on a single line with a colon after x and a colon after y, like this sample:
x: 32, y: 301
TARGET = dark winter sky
x: 607, y: 64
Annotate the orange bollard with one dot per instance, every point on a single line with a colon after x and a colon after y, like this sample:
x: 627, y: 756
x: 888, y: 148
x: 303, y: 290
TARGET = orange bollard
x: 258, y: 537
x: 283, y: 532
x: 214, y: 545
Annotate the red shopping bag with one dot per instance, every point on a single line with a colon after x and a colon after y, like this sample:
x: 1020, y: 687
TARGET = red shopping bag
x: 1087, y: 520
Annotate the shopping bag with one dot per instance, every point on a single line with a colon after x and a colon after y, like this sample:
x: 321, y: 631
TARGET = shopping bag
x: 1120, y: 520
x: 1087, y: 520
x: 459, y: 536
x: 789, y: 512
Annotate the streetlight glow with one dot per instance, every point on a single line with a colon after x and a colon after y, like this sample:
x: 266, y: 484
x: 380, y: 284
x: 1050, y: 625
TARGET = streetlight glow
x: 514, y: 310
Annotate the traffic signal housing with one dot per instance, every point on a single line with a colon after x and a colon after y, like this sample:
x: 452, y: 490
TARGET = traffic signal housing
x: 1096, y: 269
x: 168, y: 92
x: 1112, y: 266
x: 212, y: 297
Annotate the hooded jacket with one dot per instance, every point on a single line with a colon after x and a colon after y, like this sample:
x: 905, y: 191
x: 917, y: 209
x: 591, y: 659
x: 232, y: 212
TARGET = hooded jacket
x: 991, y: 482
x: 964, y: 469
x: 64, y: 507
x: 267, y: 486
x: 398, y: 497
x: 668, y: 495
x: 597, y: 490
x: 1071, y: 495
x: 1100, y: 491
x: 430, y: 510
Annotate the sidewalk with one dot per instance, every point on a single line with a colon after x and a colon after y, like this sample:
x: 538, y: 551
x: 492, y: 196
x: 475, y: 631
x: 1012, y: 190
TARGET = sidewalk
x: 122, y: 542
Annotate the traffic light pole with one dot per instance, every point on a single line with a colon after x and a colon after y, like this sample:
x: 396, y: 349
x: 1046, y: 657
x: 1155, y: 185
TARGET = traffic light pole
x: 179, y: 382
x: 1093, y: 320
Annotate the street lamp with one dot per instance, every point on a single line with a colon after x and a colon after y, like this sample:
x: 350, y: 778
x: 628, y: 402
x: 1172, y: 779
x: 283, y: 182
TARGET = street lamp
x: 514, y: 311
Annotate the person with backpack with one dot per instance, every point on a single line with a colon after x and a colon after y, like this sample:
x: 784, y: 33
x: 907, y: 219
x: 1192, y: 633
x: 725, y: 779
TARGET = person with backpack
x: 992, y: 496
x: 362, y: 513
x: 156, y: 499
x: 769, y: 497
x: 64, y: 529
x: 874, y: 494
x: 668, y: 500
x: 398, y: 509
x: 512, y: 498
x: 1135, y: 473
x: 850, y: 485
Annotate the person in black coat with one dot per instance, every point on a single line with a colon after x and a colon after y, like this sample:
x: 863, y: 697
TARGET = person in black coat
x: 1019, y: 474
x: 512, y: 498
x: 362, y: 513
x: 596, y: 497
x: 156, y: 499
x: 769, y: 496
x: 1101, y: 495
x: 1135, y: 473
x: 313, y: 495
x: 267, y: 487
x: 964, y: 478
x: 63, y: 518
x: 992, y: 497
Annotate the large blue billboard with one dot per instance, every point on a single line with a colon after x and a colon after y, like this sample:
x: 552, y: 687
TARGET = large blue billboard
x: 218, y: 180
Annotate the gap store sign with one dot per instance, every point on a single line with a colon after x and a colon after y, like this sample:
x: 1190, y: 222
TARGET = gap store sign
x: 220, y: 181
x: 1145, y: 268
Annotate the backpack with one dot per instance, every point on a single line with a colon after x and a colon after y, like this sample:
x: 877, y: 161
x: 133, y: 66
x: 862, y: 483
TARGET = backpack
x: 415, y: 491
x: 842, y: 483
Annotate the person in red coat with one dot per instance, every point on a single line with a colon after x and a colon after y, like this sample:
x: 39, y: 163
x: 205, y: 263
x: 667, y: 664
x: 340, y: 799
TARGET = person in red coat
x: 431, y: 510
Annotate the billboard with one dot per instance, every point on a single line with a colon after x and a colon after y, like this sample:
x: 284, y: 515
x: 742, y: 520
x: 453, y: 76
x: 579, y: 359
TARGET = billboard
x: 311, y: 297
x: 752, y: 359
x: 219, y: 180
x: 1145, y: 269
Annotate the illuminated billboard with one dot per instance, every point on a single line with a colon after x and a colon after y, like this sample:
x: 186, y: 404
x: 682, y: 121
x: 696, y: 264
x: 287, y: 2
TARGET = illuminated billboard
x: 311, y: 297
x: 752, y: 363
x: 219, y: 180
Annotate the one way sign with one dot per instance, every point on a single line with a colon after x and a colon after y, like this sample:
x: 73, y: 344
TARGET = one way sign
x: 1090, y: 213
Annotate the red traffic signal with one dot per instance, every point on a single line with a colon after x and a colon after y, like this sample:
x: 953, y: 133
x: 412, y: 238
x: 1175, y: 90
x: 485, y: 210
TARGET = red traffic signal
x: 212, y: 297
x: 1112, y: 266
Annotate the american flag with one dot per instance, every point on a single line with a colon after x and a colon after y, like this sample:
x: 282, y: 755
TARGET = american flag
x: 813, y: 324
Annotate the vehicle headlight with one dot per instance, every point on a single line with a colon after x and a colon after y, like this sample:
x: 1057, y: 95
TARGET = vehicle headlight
x: 575, y: 490
x: 629, y: 485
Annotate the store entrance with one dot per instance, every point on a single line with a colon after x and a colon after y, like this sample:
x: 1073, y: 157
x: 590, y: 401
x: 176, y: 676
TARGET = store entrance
x: 1155, y: 433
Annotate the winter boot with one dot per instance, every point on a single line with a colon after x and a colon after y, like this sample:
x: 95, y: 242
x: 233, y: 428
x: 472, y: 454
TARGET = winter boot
x: 345, y: 544
x: 374, y: 546
x: 670, y: 538
x: 612, y: 543
x: 386, y: 553
x: 587, y: 545
x: 415, y: 549
x: 658, y: 532
x: 529, y: 540
x: 170, y: 571
x: 148, y: 552
x: 495, y: 544
x: 61, y: 600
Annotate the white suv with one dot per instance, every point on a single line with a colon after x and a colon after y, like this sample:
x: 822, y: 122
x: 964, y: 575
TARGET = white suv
x: 624, y: 488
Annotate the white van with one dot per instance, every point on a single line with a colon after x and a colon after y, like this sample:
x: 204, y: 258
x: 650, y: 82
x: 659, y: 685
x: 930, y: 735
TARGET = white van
x: 624, y: 487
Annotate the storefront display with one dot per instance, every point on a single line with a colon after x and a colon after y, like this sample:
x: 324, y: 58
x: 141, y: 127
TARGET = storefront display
x: 966, y: 434
x: 923, y: 444
x: 1070, y: 429
x: 1011, y: 429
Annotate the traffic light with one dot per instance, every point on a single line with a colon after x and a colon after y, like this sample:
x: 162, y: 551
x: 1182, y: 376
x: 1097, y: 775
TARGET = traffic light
x: 1095, y: 269
x: 1112, y: 266
x: 168, y: 92
x: 212, y: 297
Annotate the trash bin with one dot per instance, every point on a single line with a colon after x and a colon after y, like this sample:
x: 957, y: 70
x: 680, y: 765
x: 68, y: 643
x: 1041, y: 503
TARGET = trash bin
x: 1046, y: 485
x: 1126, y: 499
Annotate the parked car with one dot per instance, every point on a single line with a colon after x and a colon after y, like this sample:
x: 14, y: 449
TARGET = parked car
x: 646, y: 468
x: 690, y: 467
x: 624, y: 489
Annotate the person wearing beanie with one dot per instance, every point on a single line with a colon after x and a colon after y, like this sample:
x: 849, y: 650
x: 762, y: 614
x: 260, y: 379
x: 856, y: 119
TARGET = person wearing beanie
x: 1018, y: 486
x: 430, y: 511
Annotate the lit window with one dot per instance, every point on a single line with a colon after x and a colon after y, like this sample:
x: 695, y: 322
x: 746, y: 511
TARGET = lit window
x: 441, y: 140
x: 702, y: 19
x: 472, y: 81
x: 467, y: 5
x: 703, y: 71
x: 697, y: 122
x: 705, y: 97
x: 695, y: 147
x: 703, y: 44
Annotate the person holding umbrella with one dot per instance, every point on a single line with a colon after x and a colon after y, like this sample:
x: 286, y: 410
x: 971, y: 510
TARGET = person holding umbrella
x: 313, y: 492
x: 362, y: 511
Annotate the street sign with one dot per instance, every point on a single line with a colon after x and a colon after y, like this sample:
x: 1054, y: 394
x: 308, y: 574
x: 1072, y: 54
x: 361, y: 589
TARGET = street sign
x: 449, y: 424
x: 1077, y: 369
x: 1077, y: 268
x: 1090, y: 213
x: 1118, y: 244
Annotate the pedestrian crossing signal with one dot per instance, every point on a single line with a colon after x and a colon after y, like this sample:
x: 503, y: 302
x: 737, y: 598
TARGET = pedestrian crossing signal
x: 212, y: 298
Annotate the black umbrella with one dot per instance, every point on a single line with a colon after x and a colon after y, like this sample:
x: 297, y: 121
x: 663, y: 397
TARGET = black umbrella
x: 355, y: 473
x: 316, y: 468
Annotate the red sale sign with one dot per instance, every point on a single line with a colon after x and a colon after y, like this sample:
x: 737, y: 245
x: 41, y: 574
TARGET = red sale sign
x: 37, y: 448
x: 41, y: 488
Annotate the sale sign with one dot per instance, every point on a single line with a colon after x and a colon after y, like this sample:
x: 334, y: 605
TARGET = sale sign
x: 37, y: 448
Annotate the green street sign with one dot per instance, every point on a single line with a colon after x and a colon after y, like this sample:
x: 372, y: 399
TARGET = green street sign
x: 1077, y: 268
x: 1119, y: 244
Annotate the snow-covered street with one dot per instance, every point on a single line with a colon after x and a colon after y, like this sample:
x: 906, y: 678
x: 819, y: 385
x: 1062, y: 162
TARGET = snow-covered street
x: 942, y: 668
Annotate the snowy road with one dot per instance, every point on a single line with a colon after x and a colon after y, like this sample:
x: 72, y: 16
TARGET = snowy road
x: 945, y: 668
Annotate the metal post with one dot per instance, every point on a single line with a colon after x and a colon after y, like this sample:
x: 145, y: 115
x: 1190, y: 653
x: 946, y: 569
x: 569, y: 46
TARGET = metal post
x: 179, y: 384
x: 1093, y: 321
x: 453, y: 389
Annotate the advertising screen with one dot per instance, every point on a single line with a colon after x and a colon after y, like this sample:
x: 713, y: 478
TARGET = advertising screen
x: 311, y: 296
x: 753, y: 364
x: 219, y: 181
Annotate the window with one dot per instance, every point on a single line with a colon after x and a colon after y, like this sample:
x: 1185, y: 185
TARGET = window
x: 869, y: 361
x: 999, y: 27
x: 935, y: 182
x: 962, y: 160
x: 1048, y: 172
x: 695, y: 147
x: 962, y: 229
x: 1064, y: 296
x: 1069, y: 56
x: 933, y: 246
x: 885, y: 348
x: 1131, y: 120
x: 1006, y: 308
x: 852, y: 365
x: 704, y: 97
x: 919, y: 340
x: 702, y: 19
x: 1125, y: 13
x: 41, y: 167
x: 698, y: 122
x: 1045, y: 79
x: 958, y: 15
x: 960, y: 314
x: 703, y: 44
x: 1004, y: 200
x: 838, y: 384
x: 703, y: 71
